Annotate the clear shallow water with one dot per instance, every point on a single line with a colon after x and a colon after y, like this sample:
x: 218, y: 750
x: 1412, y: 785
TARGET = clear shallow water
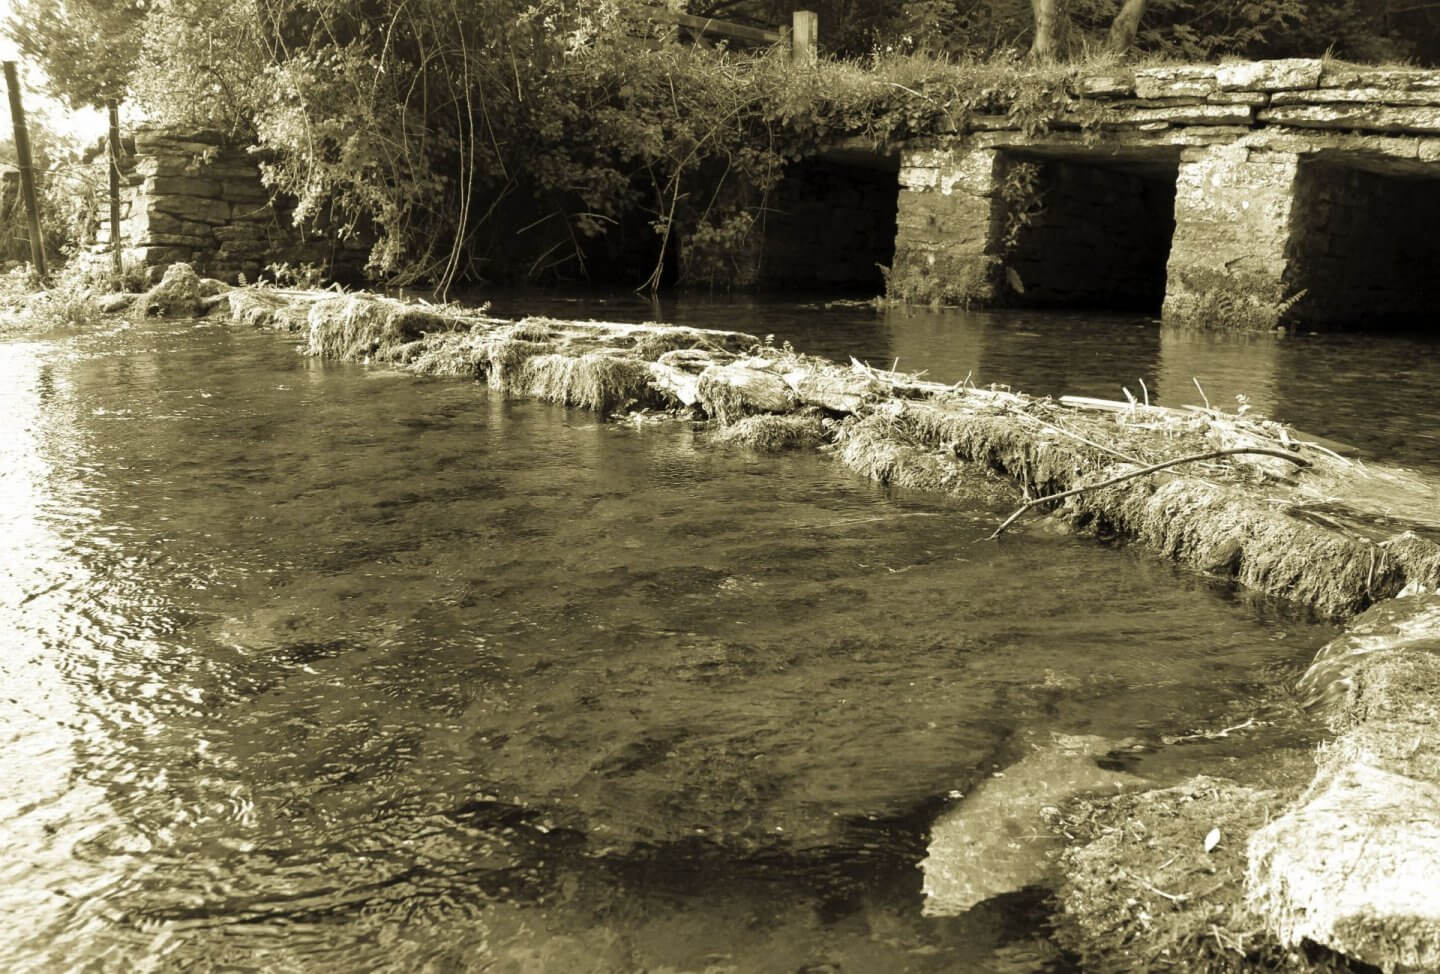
x: 313, y: 668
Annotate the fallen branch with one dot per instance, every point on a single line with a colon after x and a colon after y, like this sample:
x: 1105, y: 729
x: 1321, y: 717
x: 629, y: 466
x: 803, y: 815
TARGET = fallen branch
x: 1131, y: 475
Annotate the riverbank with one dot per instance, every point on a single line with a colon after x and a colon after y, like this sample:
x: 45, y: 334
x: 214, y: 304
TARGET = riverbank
x: 959, y: 439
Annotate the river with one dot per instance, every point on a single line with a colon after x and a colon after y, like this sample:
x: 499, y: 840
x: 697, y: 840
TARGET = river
x: 313, y: 667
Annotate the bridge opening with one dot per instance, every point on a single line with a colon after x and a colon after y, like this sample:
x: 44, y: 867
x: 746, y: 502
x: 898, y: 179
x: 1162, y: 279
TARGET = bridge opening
x: 1363, y: 244
x: 1084, y: 232
x: 830, y: 224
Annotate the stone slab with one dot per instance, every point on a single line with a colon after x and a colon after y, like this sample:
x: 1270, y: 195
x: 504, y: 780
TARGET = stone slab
x: 996, y: 841
x: 1253, y: 98
x: 181, y: 186
x: 1176, y: 81
x: 1369, y: 118
x: 1284, y: 74
x: 1372, y: 96
x: 1196, y: 114
x: 1393, y: 79
x: 196, y: 208
x: 1105, y: 85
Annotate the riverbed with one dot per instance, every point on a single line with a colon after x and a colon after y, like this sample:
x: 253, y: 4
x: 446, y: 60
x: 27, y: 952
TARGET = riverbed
x: 315, y: 667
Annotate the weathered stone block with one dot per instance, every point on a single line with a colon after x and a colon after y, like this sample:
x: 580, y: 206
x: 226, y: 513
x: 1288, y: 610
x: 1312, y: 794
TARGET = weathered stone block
x: 1372, y: 118
x: 156, y: 256
x: 191, y: 241
x: 1253, y: 98
x: 1117, y: 85
x: 193, y: 208
x: 1337, y: 75
x: 242, y: 233
x: 154, y: 221
x: 1193, y: 114
x: 1228, y: 257
x: 1279, y: 75
x: 244, y: 191
x: 181, y: 186
x: 1353, y: 867
x: 1173, y: 81
x: 1369, y: 96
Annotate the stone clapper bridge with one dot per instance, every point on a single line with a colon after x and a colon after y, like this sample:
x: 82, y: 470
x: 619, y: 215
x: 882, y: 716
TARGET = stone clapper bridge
x: 1248, y: 194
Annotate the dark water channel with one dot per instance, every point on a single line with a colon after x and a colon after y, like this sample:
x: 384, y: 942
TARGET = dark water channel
x: 313, y: 668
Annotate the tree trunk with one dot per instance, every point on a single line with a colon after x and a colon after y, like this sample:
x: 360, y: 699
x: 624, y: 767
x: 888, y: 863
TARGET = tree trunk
x: 1126, y: 23
x: 1047, y: 29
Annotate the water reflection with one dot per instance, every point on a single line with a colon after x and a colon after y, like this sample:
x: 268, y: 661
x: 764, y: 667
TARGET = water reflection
x: 320, y: 668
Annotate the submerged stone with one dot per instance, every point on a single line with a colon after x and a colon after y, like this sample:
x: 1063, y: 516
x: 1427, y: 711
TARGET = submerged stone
x: 998, y: 840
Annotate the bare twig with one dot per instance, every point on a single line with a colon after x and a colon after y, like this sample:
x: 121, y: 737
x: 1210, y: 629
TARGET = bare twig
x: 1202, y: 391
x: 1131, y: 475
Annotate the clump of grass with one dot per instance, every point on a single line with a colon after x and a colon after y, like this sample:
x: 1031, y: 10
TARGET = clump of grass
x: 1142, y: 893
x: 358, y: 326
x: 503, y: 358
x: 452, y: 353
x: 591, y: 381
x: 28, y: 305
x: 259, y: 308
x: 875, y: 448
x: 772, y: 431
x: 651, y: 345
x: 530, y: 330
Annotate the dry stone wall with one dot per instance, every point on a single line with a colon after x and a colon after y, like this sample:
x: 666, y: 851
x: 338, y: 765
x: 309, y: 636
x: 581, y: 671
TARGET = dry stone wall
x: 194, y: 197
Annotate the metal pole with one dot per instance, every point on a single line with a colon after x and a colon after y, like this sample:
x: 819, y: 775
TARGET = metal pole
x: 113, y: 107
x: 27, y: 169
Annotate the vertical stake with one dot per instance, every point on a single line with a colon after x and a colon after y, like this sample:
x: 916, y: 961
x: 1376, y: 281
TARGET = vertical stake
x: 805, y: 37
x: 116, y: 265
x: 27, y: 169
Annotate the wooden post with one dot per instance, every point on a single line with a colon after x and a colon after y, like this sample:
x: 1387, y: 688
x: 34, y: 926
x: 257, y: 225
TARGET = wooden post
x: 805, y: 37
x: 27, y: 169
x: 116, y: 265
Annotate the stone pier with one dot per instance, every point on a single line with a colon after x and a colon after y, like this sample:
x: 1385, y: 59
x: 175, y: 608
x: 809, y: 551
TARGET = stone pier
x: 1228, y: 258
x: 197, y: 198
x: 1243, y: 196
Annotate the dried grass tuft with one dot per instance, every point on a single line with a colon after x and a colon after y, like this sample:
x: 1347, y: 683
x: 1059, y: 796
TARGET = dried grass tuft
x: 503, y: 360
x: 769, y: 431
x: 453, y: 354
x: 531, y: 330
x: 591, y: 381
x: 651, y: 345
x: 355, y: 327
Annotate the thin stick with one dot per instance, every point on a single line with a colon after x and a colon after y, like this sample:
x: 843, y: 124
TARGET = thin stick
x: 1202, y: 391
x: 1211, y: 455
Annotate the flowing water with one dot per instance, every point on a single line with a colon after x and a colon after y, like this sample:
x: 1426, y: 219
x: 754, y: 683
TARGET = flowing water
x: 308, y: 667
